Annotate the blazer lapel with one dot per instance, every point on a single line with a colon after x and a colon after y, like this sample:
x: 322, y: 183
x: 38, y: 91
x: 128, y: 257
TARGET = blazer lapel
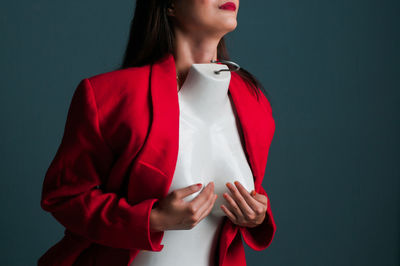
x: 253, y: 123
x: 160, y: 151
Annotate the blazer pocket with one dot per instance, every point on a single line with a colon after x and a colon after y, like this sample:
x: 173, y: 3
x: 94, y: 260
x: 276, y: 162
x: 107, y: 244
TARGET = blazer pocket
x: 147, y: 181
x: 152, y: 167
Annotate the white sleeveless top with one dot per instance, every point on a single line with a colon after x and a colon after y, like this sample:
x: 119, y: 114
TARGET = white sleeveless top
x: 207, y: 152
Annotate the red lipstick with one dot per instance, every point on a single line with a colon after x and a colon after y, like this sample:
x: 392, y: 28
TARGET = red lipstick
x: 228, y: 6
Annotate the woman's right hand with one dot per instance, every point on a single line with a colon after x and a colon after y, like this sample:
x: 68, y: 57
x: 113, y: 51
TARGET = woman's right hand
x: 174, y: 213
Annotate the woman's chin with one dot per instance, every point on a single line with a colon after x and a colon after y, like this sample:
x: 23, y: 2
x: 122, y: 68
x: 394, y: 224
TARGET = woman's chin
x: 230, y: 26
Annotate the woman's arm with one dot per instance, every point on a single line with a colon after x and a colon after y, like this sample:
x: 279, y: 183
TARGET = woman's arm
x: 71, y: 186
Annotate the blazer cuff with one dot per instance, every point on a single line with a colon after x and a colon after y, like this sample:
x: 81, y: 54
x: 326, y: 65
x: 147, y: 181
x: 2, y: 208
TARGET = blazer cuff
x: 153, y: 238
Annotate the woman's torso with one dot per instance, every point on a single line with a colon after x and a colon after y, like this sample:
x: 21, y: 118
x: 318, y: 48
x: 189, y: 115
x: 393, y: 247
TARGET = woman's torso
x: 206, y: 153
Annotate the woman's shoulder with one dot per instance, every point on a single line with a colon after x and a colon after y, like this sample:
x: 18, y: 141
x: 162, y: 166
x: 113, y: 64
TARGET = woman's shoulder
x: 120, y: 77
x: 119, y: 83
x: 246, y: 88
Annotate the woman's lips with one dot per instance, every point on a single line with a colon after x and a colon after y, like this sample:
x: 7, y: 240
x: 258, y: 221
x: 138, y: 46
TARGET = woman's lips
x: 228, y: 6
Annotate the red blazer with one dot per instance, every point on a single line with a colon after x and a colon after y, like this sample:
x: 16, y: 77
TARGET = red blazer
x: 117, y: 158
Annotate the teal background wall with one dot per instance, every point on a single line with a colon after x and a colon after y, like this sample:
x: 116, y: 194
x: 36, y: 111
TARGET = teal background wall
x: 331, y: 69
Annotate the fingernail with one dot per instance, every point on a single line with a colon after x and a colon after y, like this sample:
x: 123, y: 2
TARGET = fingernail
x: 253, y: 193
x: 236, y: 183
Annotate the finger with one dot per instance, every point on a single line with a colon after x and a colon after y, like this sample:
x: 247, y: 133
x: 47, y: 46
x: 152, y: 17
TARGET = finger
x: 250, y: 200
x: 261, y: 198
x: 205, y: 206
x: 186, y: 191
x: 228, y: 213
x: 233, y: 206
x: 209, y: 207
x: 246, y: 210
x: 201, y: 199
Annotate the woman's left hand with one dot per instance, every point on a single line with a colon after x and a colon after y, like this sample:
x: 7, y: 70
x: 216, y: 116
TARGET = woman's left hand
x: 243, y: 208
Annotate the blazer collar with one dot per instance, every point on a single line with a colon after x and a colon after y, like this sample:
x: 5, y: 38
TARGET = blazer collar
x: 161, y: 149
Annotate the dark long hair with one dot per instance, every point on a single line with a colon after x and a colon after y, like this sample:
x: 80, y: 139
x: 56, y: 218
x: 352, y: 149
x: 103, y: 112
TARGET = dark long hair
x: 151, y: 37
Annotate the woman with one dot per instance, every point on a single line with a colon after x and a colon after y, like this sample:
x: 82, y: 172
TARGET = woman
x: 112, y: 181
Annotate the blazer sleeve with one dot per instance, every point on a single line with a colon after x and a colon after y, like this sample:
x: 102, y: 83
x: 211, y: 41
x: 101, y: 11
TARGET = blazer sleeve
x: 71, y: 187
x: 260, y: 237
